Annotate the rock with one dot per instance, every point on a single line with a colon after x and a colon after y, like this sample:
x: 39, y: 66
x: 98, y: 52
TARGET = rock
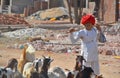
x: 109, y: 52
x: 53, y: 13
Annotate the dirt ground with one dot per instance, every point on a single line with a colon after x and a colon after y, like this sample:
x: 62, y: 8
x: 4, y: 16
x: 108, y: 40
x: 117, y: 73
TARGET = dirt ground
x: 109, y: 66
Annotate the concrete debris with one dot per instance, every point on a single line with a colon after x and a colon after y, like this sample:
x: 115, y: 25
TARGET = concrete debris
x: 25, y: 33
x: 113, y: 30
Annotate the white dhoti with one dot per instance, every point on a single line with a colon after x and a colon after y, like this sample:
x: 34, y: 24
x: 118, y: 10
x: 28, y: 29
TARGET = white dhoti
x: 94, y: 65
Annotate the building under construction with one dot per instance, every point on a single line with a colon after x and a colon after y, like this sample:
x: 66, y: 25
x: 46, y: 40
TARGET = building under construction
x: 109, y: 9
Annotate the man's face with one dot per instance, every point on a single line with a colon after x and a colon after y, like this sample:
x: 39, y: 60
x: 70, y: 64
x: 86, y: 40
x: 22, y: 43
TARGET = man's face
x: 88, y: 26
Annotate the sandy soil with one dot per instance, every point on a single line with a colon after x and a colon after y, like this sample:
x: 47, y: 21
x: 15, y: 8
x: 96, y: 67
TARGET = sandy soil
x: 109, y: 66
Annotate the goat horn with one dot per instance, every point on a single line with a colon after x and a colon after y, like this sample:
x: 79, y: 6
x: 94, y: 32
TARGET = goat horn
x: 43, y: 56
x: 51, y: 60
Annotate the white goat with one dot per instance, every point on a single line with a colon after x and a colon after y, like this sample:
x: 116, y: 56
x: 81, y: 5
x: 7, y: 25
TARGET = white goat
x: 57, y: 72
x: 12, y: 64
x: 53, y: 75
x: 3, y: 72
x: 30, y: 53
x: 9, y: 73
x: 32, y: 66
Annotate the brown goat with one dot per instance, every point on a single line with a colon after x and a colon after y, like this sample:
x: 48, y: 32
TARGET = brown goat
x: 11, y: 63
x: 22, y: 60
x: 79, y: 62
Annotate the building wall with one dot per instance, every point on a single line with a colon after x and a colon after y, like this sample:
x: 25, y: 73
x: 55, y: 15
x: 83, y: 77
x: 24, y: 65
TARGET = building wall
x: 56, y: 3
x: 119, y: 10
x: 108, y: 11
x: 18, y: 5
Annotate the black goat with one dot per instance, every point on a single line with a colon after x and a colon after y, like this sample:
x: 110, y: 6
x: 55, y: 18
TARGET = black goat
x: 83, y: 71
x: 86, y: 72
x: 45, y: 67
x: 77, y: 68
x: 34, y: 75
x: 70, y: 75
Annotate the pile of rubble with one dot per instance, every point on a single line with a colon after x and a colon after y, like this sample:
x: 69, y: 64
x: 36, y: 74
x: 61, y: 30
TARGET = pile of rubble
x: 111, y: 47
x: 12, y: 19
x: 112, y: 30
x: 24, y: 33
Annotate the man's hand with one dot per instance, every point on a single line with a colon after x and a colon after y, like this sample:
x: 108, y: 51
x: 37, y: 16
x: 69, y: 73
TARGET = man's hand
x: 98, y: 27
x: 71, y: 30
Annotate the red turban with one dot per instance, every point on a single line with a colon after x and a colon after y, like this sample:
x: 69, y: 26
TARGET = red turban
x: 88, y: 19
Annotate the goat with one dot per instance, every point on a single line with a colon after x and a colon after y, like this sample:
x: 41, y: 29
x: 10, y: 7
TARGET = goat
x: 100, y: 76
x: 22, y: 60
x: 34, y: 75
x: 53, y: 75
x: 27, y: 66
x: 59, y: 71
x: 3, y: 73
x: 8, y: 73
x: 30, y: 71
x: 86, y: 72
x: 32, y: 66
x: 30, y: 56
x: 26, y: 56
x: 77, y: 68
x: 17, y: 74
x: 79, y: 62
x: 38, y: 63
x: 70, y: 75
x: 11, y: 66
x: 44, y: 70
x: 12, y: 63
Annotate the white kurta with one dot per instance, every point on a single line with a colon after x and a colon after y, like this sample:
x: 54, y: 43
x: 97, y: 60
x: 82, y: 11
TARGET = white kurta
x: 88, y: 45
